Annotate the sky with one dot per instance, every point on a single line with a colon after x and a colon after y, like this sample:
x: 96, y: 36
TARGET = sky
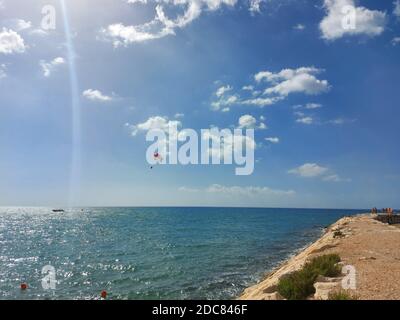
x: 76, y: 101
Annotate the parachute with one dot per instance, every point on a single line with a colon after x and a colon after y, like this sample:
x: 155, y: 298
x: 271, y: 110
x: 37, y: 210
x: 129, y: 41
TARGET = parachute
x: 157, y: 158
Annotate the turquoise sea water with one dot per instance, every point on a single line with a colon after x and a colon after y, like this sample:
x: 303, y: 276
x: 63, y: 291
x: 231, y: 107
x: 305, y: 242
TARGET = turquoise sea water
x: 150, y: 253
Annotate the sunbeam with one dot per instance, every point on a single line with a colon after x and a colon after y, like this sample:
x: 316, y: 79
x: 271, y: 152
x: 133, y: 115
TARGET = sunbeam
x: 75, y: 169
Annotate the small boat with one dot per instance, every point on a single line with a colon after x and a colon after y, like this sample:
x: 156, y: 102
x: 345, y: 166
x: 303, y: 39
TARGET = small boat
x: 58, y: 210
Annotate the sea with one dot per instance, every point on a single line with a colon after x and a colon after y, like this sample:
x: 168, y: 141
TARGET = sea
x: 149, y: 253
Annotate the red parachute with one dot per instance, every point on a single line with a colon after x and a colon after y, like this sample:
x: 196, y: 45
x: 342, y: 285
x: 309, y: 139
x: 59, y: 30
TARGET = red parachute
x: 157, y: 158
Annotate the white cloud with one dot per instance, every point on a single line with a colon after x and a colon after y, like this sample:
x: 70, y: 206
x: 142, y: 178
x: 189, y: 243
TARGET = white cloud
x: 226, y: 146
x: 137, y: 1
x: 162, y: 25
x: 3, y: 73
x: 249, y: 122
x: 272, y: 139
x: 39, y: 32
x: 305, y: 120
x: 299, y: 27
x: 96, y: 95
x: 285, y: 74
x: 312, y: 170
x: 188, y: 189
x: 248, y: 88
x: 19, y: 24
x: 11, y: 42
x: 262, y: 75
x: 49, y: 67
x: 395, y: 41
x: 301, y: 80
x: 262, y: 126
x: 335, y: 178
x: 224, y: 102
x: 308, y: 106
x: 337, y: 121
x: 239, y: 191
x: 255, y: 6
x: 396, y: 10
x: 260, y: 102
x: 367, y: 22
x: 222, y: 90
x: 179, y: 115
x: 248, y: 191
x: 279, y: 85
x: 153, y: 123
x: 299, y: 114
x: 124, y: 35
x: 309, y: 170
x: 341, y: 121
x: 313, y: 106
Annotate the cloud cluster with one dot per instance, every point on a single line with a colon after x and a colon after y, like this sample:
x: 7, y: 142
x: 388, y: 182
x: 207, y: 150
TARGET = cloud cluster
x: 222, y: 149
x: 96, y: 95
x: 274, y: 140
x: 269, y: 88
x: 248, y: 191
x: 335, y: 178
x: 301, y: 112
x: 396, y: 10
x: 222, y: 90
x: 221, y: 146
x: 303, y: 116
x: 153, y: 123
x: 309, y: 170
x: 162, y: 25
x: 311, y: 106
x: 49, y: 67
x: 245, y: 191
x: 313, y: 170
x: 395, y: 41
x: 11, y: 42
x: 249, y: 122
x: 287, y: 81
x: 344, y: 18
x: 305, y: 120
x: 21, y: 24
x: 255, y: 6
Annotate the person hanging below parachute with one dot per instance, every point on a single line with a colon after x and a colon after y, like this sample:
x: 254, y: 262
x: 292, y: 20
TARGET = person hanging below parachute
x: 157, y: 158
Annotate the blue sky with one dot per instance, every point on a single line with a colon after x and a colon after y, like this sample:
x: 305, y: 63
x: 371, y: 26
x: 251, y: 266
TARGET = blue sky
x: 323, y: 100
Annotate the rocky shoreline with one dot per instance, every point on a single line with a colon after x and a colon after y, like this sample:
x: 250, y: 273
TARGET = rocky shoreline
x: 369, y: 247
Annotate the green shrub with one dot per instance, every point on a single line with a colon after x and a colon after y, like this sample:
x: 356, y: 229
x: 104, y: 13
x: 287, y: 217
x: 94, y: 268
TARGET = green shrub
x: 300, y: 284
x: 297, y: 285
x: 325, y: 265
x: 341, y: 295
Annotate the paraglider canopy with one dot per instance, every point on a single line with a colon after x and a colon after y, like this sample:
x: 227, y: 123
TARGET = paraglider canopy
x: 157, y: 157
